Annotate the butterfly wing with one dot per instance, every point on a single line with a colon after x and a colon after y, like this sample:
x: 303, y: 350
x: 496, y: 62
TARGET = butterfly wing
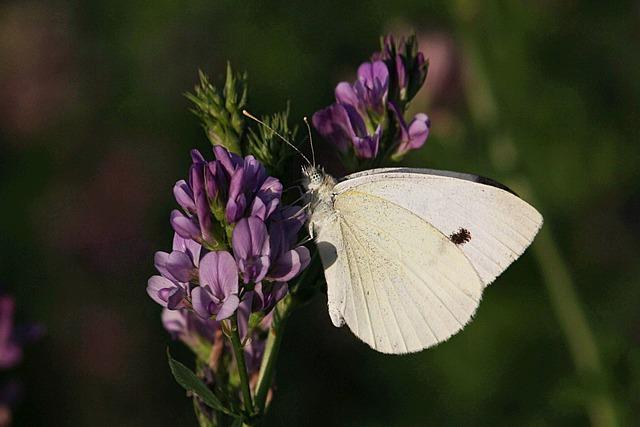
x: 491, y: 225
x: 399, y: 283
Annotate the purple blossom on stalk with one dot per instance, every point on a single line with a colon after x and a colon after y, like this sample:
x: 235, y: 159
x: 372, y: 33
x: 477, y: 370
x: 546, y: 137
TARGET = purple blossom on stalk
x: 355, y: 120
x: 217, y: 294
x: 368, y: 115
x: 233, y: 203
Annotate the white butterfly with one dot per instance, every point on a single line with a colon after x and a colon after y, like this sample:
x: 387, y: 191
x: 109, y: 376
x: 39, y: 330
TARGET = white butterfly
x: 408, y: 252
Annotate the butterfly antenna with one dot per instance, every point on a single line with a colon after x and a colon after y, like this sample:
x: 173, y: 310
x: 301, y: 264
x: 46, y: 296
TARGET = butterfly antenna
x: 313, y: 153
x: 252, y: 117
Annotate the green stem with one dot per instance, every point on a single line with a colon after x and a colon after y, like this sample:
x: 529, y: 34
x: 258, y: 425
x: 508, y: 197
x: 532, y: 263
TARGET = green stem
x: 238, y: 352
x: 267, y: 368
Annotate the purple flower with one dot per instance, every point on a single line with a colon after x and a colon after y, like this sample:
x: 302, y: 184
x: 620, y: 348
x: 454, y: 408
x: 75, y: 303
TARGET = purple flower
x: 412, y: 136
x: 12, y: 337
x: 195, y: 197
x: 355, y: 119
x: 217, y: 294
x: 10, y: 351
x: 283, y: 230
x: 360, y: 117
x: 251, y: 249
x: 251, y: 191
x: 167, y: 293
x: 233, y: 201
x: 181, y: 265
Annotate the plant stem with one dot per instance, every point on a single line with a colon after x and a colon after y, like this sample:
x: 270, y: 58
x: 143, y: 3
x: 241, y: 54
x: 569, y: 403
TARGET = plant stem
x: 267, y: 368
x: 238, y: 352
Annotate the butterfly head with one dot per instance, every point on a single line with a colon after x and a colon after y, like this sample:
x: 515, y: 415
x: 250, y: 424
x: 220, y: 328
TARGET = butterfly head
x: 314, y: 177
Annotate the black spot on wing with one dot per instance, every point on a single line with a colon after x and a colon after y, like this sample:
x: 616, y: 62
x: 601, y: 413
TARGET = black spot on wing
x: 461, y: 236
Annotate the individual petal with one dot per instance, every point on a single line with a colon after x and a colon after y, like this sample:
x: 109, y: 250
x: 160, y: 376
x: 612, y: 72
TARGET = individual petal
x: 160, y: 261
x: 202, y: 302
x: 401, y: 72
x: 249, y: 237
x: 254, y: 173
x: 188, y: 246
x: 210, y: 180
x: 286, y: 267
x: 161, y: 290
x: 259, y: 209
x: 229, y: 161
x: 372, y: 85
x: 334, y: 125
x: 289, y: 264
x: 345, y: 95
x: 175, y: 298
x: 186, y: 227
x: 419, y: 130
x: 412, y: 136
x: 269, y: 194
x: 237, y: 202
x: 196, y: 156
x: 184, y: 196
x: 228, y: 307
x: 305, y: 256
x: 218, y: 271
x: 374, y: 75
x: 180, y: 266
x: 203, y: 211
x: 367, y: 147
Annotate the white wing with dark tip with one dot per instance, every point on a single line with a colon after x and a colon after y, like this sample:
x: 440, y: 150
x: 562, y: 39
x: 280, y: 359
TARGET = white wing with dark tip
x: 491, y: 225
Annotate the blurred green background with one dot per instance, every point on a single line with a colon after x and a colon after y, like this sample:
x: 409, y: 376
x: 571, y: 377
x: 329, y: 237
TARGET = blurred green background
x: 543, y: 95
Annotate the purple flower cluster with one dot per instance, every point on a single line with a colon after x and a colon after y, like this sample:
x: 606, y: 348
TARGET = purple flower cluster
x: 12, y: 340
x: 234, y: 241
x: 12, y: 337
x: 360, y: 115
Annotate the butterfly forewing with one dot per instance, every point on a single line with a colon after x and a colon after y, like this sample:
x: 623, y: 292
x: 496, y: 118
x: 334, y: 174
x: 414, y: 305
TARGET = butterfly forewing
x: 489, y: 224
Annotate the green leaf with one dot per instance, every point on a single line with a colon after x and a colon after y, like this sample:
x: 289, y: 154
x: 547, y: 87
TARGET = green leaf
x: 190, y: 382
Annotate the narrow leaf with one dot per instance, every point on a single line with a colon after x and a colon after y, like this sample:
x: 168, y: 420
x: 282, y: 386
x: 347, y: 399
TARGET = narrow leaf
x: 190, y: 382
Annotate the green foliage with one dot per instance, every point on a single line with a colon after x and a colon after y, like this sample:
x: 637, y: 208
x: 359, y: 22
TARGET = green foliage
x: 190, y: 382
x: 221, y: 113
x: 268, y: 147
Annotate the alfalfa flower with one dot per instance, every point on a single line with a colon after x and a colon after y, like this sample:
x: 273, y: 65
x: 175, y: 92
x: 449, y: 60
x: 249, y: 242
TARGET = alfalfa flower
x: 367, y: 119
x: 355, y: 120
x: 217, y: 293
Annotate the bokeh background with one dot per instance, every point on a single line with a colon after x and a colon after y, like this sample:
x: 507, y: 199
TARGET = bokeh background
x: 543, y: 95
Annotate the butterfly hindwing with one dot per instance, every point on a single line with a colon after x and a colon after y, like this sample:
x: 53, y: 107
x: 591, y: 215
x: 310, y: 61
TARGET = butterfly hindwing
x: 398, y: 282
